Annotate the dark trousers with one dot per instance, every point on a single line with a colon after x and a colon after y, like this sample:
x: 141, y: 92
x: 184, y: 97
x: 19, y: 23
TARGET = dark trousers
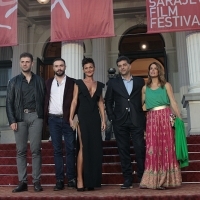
x: 58, y: 128
x: 123, y: 133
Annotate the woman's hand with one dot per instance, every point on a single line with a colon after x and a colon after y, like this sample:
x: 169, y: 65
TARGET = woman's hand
x: 103, y: 126
x: 71, y: 123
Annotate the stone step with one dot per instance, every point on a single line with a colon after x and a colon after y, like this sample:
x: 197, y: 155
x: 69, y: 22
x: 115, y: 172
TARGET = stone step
x: 107, y: 178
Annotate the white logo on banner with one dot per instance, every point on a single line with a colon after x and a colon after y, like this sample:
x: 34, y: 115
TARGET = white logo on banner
x: 63, y: 6
x: 9, y: 12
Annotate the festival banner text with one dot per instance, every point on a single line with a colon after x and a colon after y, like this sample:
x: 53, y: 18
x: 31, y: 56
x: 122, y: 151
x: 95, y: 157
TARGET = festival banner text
x: 172, y: 15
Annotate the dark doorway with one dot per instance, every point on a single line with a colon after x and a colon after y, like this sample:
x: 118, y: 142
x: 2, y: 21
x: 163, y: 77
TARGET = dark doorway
x: 142, y: 49
x: 45, y: 70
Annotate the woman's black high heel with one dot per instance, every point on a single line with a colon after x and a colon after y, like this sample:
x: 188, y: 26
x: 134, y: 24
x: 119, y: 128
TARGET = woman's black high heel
x: 80, y: 189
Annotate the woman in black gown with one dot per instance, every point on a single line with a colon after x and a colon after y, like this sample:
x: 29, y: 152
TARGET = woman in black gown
x: 91, y: 116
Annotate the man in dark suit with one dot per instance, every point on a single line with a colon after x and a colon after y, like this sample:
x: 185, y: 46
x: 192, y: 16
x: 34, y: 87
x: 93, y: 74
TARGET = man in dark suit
x: 124, y: 92
x: 58, y: 99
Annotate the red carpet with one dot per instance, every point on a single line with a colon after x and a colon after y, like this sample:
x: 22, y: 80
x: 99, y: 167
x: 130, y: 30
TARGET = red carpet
x: 111, y: 177
x: 185, y: 192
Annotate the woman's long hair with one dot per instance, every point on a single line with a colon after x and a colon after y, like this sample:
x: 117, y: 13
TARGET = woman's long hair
x: 161, y: 76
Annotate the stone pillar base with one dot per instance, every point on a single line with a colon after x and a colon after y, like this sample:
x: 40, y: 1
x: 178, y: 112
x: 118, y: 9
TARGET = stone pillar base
x: 191, y: 102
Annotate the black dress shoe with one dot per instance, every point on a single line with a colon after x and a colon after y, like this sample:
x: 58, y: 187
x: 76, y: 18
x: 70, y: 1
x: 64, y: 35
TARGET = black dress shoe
x: 127, y: 185
x: 21, y: 187
x: 37, y: 187
x: 59, y: 185
x: 72, y: 183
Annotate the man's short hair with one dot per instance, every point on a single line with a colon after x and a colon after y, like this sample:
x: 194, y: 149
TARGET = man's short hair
x: 87, y: 60
x: 59, y: 59
x: 122, y: 58
x: 26, y: 54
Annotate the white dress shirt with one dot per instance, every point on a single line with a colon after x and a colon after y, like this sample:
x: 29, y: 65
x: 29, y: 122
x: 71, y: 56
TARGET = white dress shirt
x: 56, y: 97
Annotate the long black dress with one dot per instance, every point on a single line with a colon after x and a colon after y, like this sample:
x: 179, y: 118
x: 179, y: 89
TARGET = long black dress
x: 90, y: 127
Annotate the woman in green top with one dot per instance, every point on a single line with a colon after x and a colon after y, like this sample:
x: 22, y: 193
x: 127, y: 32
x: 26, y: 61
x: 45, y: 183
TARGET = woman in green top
x: 161, y: 166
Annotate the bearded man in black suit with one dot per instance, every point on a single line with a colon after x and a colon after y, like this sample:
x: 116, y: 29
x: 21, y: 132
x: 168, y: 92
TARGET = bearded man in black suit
x: 128, y: 119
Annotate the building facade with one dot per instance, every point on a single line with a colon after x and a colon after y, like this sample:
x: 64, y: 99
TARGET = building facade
x: 178, y: 52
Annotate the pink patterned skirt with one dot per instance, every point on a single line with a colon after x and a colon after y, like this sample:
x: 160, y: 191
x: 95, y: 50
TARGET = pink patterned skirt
x: 161, y: 166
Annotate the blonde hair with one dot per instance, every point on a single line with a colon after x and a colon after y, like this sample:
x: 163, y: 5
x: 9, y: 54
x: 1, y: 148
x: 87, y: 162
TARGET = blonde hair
x: 161, y: 75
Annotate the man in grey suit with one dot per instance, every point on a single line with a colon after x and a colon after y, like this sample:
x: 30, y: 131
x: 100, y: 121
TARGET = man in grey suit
x: 124, y: 92
x: 24, y: 107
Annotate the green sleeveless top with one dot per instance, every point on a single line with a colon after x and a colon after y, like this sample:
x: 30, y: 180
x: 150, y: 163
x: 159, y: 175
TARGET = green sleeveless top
x: 155, y: 98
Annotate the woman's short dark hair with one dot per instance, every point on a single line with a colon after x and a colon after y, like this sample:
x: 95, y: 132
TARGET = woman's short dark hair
x: 122, y: 58
x: 26, y: 54
x: 87, y: 60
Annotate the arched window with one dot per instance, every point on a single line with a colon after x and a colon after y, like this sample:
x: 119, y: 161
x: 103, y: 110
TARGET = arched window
x: 142, y: 49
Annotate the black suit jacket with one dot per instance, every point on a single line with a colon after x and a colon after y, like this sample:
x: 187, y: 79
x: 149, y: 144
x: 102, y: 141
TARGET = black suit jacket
x: 118, y: 96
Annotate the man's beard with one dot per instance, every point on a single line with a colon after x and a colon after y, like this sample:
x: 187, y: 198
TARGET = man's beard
x: 60, y: 73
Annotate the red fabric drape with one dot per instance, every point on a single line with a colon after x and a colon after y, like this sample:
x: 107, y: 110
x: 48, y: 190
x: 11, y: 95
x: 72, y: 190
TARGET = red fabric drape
x: 81, y: 19
x: 8, y: 22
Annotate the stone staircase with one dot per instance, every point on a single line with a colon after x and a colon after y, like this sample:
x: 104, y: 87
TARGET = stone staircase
x: 111, y: 164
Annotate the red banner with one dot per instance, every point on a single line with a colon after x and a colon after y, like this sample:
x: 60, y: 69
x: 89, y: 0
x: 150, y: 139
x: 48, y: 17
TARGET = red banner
x: 172, y: 16
x: 81, y: 19
x: 8, y: 22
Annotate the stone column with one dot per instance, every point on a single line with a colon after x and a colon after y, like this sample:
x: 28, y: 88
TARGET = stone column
x: 182, y: 67
x: 191, y: 101
x: 31, y: 33
x: 100, y: 56
x: 22, y: 45
x: 193, y: 49
x: 72, y: 53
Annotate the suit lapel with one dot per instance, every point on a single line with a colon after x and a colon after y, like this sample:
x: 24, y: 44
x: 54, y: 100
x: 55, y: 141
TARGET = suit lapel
x: 134, y: 86
x: 66, y: 86
x: 122, y: 86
